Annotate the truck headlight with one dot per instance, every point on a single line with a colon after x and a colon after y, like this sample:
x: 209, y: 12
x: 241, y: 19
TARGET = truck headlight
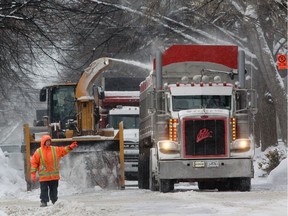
x: 241, y: 145
x: 168, y: 147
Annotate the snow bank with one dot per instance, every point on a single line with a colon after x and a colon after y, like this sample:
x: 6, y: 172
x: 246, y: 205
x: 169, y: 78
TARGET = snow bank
x: 278, y: 177
x: 61, y: 208
x: 13, y: 185
x: 11, y: 182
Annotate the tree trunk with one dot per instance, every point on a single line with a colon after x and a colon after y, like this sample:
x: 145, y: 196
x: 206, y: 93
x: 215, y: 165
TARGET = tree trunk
x: 268, y: 122
x: 265, y: 125
x: 270, y: 74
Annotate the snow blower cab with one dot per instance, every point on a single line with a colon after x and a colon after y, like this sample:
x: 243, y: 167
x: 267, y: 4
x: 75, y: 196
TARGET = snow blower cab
x: 73, y: 115
x: 61, y: 112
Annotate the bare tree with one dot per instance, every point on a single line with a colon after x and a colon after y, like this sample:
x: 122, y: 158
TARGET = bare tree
x: 29, y: 30
x: 257, y: 27
x: 81, y: 31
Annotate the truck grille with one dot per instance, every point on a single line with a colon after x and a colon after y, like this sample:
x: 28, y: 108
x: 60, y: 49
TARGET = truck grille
x: 204, y: 137
x: 130, y: 158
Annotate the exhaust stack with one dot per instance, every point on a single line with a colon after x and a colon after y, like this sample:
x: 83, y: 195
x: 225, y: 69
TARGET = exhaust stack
x: 241, y: 68
x: 159, y: 70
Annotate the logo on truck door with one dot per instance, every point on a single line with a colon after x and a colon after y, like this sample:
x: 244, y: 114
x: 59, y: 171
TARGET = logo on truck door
x: 203, y: 134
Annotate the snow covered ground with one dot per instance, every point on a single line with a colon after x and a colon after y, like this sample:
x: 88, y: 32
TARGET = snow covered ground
x: 268, y: 197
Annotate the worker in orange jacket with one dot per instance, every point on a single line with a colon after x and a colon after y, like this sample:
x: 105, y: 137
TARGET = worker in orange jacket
x: 46, y: 161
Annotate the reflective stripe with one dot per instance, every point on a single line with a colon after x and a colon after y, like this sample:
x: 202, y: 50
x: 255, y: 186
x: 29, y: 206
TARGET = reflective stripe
x: 68, y: 149
x: 41, y: 158
x: 44, y: 173
x: 33, y: 169
x: 54, y: 158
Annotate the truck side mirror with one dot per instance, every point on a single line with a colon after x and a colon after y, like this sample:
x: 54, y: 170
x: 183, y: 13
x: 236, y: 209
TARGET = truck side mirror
x: 252, y: 98
x: 43, y: 92
x: 100, y: 92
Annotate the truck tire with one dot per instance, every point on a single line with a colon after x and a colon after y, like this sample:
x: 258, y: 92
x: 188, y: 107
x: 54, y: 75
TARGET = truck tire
x: 145, y: 170
x: 166, y: 185
x: 140, y: 171
x: 206, y: 185
x: 154, y: 186
x: 244, y: 184
x: 224, y: 185
x: 240, y: 184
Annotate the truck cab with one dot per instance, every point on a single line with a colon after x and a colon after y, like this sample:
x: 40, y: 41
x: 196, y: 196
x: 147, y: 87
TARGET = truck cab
x: 130, y: 117
x: 203, y: 118
x: 196, y: 120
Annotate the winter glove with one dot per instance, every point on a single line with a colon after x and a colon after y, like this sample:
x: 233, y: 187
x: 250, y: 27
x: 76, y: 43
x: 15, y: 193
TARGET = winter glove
x: 73, y: 145
x: 33, y: 176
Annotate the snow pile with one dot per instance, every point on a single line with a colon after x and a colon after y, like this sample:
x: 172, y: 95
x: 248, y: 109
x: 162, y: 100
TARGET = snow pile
x: 278, y: 177
x: 11, y: 182
x: 260, y: 157
x: 61, y: 208
x: 87, y: 202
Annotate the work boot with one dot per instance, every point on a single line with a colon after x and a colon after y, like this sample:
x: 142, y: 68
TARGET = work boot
x: 43, y: 204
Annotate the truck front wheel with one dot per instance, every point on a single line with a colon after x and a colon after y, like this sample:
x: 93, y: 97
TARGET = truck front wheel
x: 242, y: 184
x: 166, y: 185
x: 140, y: 171
x: 153, y: 183
x: 209, y: 185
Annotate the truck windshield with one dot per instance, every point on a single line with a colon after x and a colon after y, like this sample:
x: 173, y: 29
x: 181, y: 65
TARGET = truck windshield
x: 201, y: 101
x: 63, y: 104
x: 129, y: 121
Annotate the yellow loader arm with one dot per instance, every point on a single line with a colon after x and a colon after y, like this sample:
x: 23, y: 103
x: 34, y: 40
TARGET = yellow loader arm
x: 90, y: 74
x: 85, y: 104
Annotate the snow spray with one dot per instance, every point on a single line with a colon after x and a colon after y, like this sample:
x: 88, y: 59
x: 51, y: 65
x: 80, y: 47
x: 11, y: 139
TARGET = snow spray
x: 135, y: 63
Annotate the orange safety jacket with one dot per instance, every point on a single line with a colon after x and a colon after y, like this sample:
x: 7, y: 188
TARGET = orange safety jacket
x: 46, y: 160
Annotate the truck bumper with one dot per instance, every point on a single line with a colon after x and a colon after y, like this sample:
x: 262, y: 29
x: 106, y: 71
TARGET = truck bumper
x: 205, y: 169
x: 131, y: 167
x: 131, y: 170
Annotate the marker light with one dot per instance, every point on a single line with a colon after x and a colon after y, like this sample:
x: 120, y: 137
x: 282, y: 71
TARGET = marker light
x: 217, y: 79
x: 233, y: 123
x: 173, y: 129
x: 196, y: 78
x: 205, y: 79
x: 184, y: 80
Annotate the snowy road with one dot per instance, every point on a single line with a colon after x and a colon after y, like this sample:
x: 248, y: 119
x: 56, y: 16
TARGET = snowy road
x: 268, y: 197
x: 185, y: 200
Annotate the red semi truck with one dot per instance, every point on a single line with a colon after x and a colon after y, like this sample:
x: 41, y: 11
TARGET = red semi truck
x: 196, y: 120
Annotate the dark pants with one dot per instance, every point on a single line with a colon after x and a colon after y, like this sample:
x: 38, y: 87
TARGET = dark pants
x: 50, y: 187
